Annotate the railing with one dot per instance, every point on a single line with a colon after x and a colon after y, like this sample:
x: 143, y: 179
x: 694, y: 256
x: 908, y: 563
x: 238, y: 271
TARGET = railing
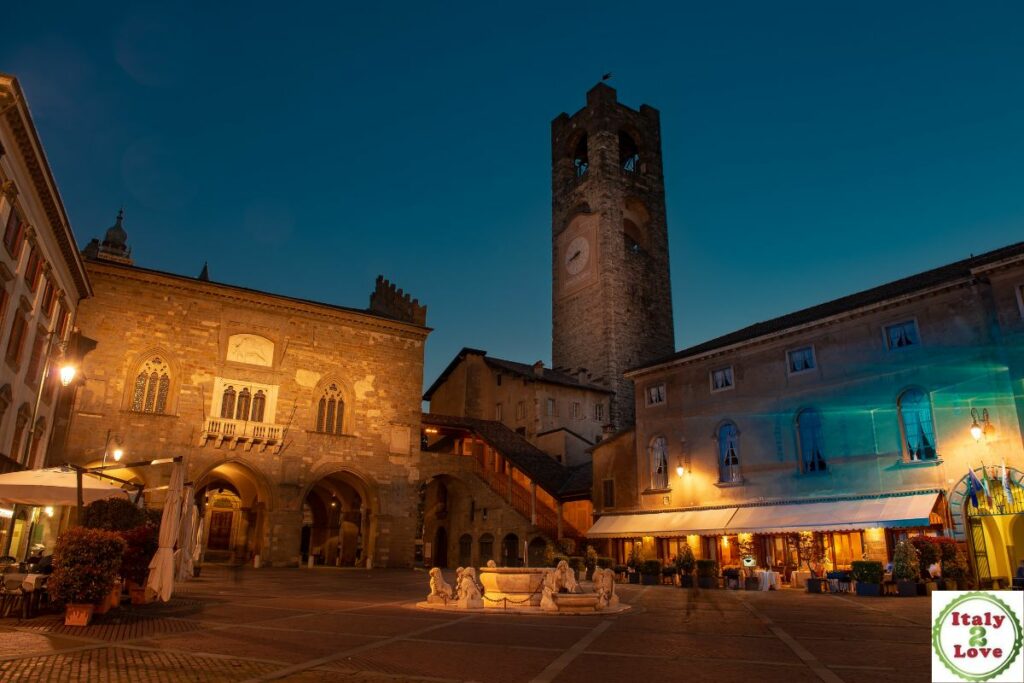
x: 238, y: 429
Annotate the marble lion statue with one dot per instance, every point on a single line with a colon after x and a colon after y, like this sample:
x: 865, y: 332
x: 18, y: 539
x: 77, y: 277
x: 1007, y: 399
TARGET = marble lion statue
x: 491, y: 563
x: 561, y: 579
x: 458, y: 583
x: 440, y: 591
x: 469, y: 591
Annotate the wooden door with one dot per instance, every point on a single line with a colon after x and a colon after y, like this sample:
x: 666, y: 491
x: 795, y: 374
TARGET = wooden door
x: 220, y: 530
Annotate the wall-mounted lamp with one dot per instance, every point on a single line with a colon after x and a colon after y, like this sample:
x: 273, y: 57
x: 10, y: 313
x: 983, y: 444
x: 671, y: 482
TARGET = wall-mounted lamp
x: 980, y: 425
x: 67, y: 374
x: 681, y: 467
x: 48, y: 510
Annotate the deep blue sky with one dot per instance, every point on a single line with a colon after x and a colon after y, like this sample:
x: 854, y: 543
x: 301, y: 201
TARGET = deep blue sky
x: 810, y: 150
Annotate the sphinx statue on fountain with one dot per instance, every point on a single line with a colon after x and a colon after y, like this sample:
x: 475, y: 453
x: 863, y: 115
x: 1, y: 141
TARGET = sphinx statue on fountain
x: 604, y: 586
x: 561, y: 580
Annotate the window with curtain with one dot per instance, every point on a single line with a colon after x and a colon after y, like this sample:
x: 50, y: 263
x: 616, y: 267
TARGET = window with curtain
x: 656, y: 395
x: 901, y: 335
x: 729, y: 453
x: 330, y: 411
x: 151, y: 387
x: 659, y: 463
x: 810, y: 441
x: 227, y: 403
x: 915, y: 410
x: 800, y: 360
x: 721, y: 379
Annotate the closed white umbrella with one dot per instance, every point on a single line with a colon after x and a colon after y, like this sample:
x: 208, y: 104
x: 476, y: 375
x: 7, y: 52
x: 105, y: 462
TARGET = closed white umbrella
x: 161, y: 568
x: 54, y: 486
x: 186, y: 538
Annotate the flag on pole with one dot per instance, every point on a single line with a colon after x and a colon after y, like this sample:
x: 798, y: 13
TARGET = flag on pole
x: 1006, y: 485
x: 973, y: 486
x: 984, y: 485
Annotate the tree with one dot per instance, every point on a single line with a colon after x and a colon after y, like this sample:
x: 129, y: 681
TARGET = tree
x: 906, y: 562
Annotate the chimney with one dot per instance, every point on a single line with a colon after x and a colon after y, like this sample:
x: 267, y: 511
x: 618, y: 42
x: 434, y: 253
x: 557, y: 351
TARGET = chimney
x: 538, y: 368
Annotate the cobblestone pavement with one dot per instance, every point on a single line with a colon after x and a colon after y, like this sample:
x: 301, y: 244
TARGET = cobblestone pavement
x: 312, y: 625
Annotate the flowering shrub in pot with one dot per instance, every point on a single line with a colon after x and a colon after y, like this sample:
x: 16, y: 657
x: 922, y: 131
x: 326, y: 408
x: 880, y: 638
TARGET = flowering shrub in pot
x: 686, y: 563
x: 141, y: 544
x: 86, y: 563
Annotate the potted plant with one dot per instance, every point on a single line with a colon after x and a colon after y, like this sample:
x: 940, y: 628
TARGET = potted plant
x: 686, y: 563
x: 590, y: 561
x: 85, y: 565
x: 141, y: 544
x: 868, y: 575
x: 113, y: 514
x: 633, y: 565
x: 812, y: 554
x: 707, y: 574
x: 929, y: 555
x: 669, y: 573
x: 620, y: 572
x: 650, y: 570
x: 906, y: 569
x: 954, y: 564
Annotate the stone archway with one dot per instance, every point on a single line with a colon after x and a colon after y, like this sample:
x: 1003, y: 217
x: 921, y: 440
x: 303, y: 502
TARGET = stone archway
x: 339, y: 520
x: 991, y: 530
x: 447, y: 503
x: 234, y: 501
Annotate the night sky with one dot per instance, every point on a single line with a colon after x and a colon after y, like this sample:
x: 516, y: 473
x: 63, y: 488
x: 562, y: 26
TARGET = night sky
x: 810, y: 150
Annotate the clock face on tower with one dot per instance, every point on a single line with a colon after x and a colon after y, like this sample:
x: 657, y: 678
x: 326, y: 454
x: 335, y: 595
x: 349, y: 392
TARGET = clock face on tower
x: 577, y: 255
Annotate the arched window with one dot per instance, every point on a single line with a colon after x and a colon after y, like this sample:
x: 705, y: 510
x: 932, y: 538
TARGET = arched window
x: 659, y: 463
x: 259, y: 406
x: 152, y: 387
x: 810, y: 441
x: 330, y: 412
x: 486, y: 548
x: 5, y: 401
x: 629, y: 153
x: 729, y: 453
x: 244, y: 401
x: 580, y: 161
x: 915, y: 410
x: 227, y: 403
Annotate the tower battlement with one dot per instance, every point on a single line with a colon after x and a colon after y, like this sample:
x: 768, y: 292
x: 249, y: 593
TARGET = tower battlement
x: 388, y: 299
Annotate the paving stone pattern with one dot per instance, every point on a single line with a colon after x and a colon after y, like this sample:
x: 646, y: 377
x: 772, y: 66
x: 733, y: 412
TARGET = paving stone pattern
x: 317, y: 625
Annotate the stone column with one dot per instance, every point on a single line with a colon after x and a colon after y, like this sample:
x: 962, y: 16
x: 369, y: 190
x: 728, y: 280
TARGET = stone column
x: 559, y: 506
x: 364, y: 531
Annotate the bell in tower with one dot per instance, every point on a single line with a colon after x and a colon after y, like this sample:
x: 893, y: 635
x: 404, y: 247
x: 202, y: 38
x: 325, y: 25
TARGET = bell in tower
x: 612, y: 300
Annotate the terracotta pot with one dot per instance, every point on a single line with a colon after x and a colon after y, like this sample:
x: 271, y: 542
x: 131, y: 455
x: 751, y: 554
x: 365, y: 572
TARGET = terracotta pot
x: 138, y: 595
x: 102, y: 607
x: 77, y: 614
x: 115, y: 596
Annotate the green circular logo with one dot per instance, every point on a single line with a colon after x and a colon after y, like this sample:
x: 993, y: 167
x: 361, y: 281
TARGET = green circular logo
x: 977, y: 636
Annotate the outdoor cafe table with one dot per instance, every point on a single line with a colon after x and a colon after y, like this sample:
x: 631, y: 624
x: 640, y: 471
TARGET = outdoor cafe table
x: 767, y: 579
x: 798, y: 578
x: 32, y: 587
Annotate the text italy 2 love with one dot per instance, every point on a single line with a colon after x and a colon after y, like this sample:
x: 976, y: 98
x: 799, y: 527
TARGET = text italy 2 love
x: 976, y: 636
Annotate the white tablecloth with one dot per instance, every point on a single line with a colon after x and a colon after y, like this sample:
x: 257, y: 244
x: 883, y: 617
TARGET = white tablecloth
x: 798, y: 578
x: 767, y: 579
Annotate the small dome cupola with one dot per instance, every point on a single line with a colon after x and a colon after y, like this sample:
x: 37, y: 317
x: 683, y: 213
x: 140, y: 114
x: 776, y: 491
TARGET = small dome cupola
x: 114, y: 246
x: 116, y: 237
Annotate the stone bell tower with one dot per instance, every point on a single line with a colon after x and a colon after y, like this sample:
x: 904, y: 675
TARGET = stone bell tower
x: 612, y: 302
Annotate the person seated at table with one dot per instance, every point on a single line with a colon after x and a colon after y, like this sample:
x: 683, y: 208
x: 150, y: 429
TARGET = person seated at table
x: 45, y: 565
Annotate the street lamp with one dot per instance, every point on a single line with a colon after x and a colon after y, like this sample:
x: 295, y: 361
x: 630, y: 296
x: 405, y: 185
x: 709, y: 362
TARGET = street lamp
x: 117, y: 453
x: 67, y: 374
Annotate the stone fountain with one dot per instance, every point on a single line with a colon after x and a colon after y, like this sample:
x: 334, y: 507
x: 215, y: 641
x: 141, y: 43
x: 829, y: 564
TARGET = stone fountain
x: 523, y: 590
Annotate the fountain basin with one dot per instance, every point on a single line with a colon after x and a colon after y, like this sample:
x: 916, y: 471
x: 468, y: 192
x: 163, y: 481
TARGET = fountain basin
x: 512, y: 586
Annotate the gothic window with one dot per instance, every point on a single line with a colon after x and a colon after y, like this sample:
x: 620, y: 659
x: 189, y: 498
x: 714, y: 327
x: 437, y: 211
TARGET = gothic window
x: 728, y: 453
x: 915, y: 411
x: 580, y: 161
x: 810, y: 441
x: 5, y: 401
x: 259, y: 406
x: 244, y: 401
x: 330, y: 412
x: 629, y: 153
x: 659, y: 463
x: 152, y: 387
x: 227, y: 403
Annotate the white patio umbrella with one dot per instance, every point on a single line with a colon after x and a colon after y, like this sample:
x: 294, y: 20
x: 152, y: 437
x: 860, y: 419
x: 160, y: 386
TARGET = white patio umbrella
x: 54, y: 486
x: 186, y: 537
x: 161, y: 568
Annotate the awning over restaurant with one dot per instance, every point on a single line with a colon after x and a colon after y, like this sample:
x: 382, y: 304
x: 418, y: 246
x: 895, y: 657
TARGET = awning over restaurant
x: 662, y: 524
x: 842, y: 515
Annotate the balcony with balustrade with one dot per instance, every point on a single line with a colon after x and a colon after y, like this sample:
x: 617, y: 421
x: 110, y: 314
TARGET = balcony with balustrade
x: 222, y: 432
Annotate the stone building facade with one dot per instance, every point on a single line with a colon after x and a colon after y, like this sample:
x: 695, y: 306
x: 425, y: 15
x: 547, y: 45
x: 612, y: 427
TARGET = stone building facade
x: 42, y: 281
x: 852, y: 420
x: 299, y: 421
x: 612, y: 301
x: 561, y: 414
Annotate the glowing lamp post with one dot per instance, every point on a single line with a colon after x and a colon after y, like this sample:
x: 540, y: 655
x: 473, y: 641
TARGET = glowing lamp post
x: 67, y: 374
